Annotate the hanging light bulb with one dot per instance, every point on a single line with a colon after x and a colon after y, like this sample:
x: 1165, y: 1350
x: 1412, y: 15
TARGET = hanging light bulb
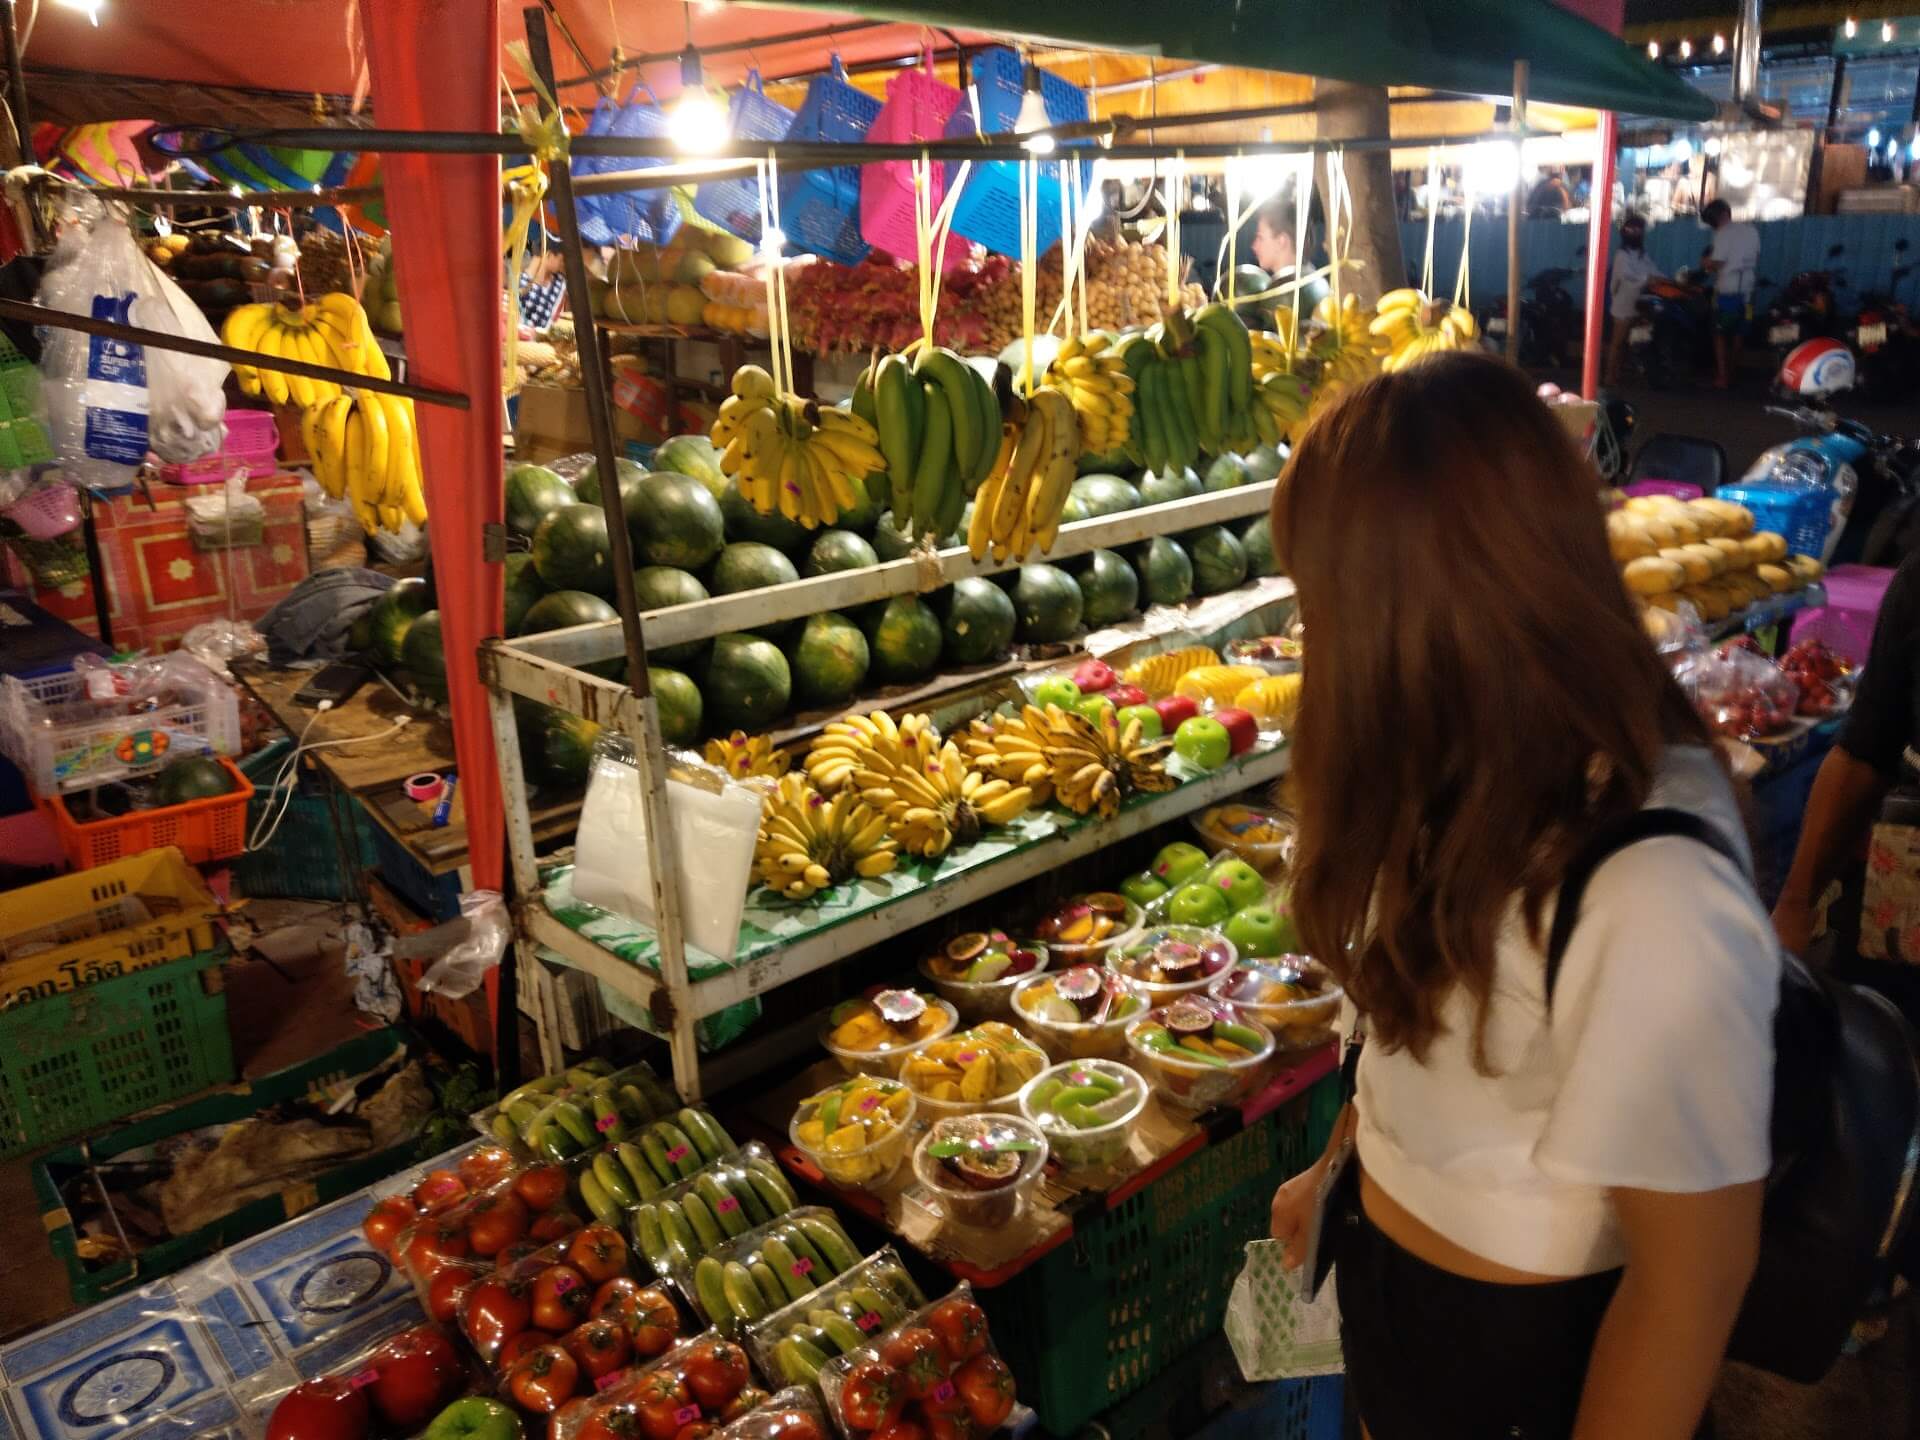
x: 697, y: 123
x: 1712, y: 147
x: 1653, y: 49
x: 1886, y: 32
x: 1851, y: 28
x: 1033, y: 114
x: 1719, y: 43
x: 1873, y: 138
x: 1686, y: 49
x: 90, y: 7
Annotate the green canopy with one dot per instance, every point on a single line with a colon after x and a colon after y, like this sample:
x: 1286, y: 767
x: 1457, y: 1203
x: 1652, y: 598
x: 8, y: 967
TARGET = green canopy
x: 1458, y: 45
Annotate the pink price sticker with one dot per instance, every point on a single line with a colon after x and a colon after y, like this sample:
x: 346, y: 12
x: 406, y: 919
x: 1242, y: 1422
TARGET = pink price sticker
x: 727, y: 1204
x: 677, y: 1154
x: 870, y: 1102
x: 364, y: 1378
x: 611, y: 1378
x: 967, y: 1057
x: 943, y: 1392
x: 870, y: 1321
x: 563, y: 1283
x: 1226, y: 882
x: 1081, y: 1077
x: 686, y: 1415
x: 606, y: 1123
x: 802, y: 1266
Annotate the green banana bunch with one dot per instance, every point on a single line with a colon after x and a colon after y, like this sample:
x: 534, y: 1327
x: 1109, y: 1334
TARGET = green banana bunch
x: 939, y: 433
x: 771, y: 1267
x: 840, y: 1317
x: 723, y: 1202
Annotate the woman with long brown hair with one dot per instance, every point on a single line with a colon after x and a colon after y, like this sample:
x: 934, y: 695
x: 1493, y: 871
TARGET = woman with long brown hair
x: 1558, y: 1207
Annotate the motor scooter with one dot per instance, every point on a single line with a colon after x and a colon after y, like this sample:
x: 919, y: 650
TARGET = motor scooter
x: 1803, y: 310
x: 1883, y: 337
x: 1672, y: 330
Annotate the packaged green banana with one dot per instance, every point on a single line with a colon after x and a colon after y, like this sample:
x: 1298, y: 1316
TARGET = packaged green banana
x: 803, y: 1249
x: 864, y: 1301
x: 723, y: 1200
x: 666, y: 1158
x: 612, y: 1100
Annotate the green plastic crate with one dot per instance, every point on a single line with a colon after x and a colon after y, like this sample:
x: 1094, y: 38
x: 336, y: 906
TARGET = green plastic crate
x: 302, y: 861
x: 79, y: 1060
x: 1140, y: 1284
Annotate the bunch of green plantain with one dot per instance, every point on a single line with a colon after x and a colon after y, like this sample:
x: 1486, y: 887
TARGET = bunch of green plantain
x: 769, y: 1268
x: 940, y: 434
x: 675, y: 1228
x: 841, y: 1317
x: 1192, y: 387
x: 592, y: 1088
x: 630, y: 1168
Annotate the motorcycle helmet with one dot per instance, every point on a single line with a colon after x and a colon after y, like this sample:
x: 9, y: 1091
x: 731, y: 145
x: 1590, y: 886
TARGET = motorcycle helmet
x: 1816, y: 369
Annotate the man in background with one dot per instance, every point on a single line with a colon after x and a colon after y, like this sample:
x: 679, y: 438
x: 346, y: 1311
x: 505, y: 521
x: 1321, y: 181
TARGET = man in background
x: 1631, y: 272
x: 1732, y: 260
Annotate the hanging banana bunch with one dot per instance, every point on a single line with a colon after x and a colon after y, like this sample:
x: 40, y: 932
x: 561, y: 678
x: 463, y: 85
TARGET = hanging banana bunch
x: 1281, y: 390
x: 1346, y: 352
x: 791, y: 455
x: 1089, y: 372
x: 1018, y: 508
x: 807, y: 842
x: 1412, y: 325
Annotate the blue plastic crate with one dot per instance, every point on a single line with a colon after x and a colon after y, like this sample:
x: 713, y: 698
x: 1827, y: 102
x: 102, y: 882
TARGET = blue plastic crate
x: 647, y: 217
x: 820, y: 209
x: 1801, y: 513
x: 734, y: 205
x: 988, y: 210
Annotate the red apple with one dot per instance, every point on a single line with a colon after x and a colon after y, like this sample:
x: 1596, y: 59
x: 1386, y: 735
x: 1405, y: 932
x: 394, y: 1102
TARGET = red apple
x: 1094, y: 675
x: 417, y: 1372
x: 1124, y: 695
x: 1172, y: 710
x: 329, y: 1408
x: 1242, y: 728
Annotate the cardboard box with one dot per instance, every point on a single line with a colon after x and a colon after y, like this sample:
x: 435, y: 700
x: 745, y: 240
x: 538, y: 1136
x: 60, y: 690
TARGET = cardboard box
x: 552, y: 422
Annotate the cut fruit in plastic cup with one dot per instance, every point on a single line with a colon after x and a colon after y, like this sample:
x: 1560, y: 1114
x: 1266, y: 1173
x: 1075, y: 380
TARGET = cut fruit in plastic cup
x: 874, y: 1034
x: 1262, y: 838
x: 1294, y: 996
x: 976, y: 1071
x: 1082, y: 930
x: 1042, y: 1003
x: 1168, y: 961
x: 1200, y: 1052
x: 976, y: 972
x: 856, y: 1133
x: 980, y: 1167
x: 1088, y: 1110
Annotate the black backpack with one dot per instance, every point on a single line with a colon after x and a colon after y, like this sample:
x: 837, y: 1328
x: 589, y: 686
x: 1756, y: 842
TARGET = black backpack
x: 1837, y: 1222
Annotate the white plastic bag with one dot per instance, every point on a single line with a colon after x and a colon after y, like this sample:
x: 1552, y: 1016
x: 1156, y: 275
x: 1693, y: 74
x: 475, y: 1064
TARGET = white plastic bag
x: 109, y: 402
x: 461, y: 971
x: 1276, y: 1332
x: 714, y: 833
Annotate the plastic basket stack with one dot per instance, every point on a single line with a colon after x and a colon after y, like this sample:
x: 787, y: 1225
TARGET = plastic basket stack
x: 734, y: 204
x: 988, y: 209
x: 820, y: 209
x: 917, y: 108
x: 1801, y: 513
x: 647, y: 217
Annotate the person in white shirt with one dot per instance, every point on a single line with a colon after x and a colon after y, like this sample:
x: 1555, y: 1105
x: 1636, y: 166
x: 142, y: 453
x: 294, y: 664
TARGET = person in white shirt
x: 1732, y: 260
x: 1631, y: 272
x: 1558, y: 1207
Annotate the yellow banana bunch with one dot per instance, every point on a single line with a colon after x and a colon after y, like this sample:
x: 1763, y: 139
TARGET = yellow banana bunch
x: 330, y: 331
x: 1097, y: 764
x: 1018, y: 507
x: 1346, y: 352
x: 1413, y: 326
x: 1281, y: 402
x: 1271, y: 349
x: 791, y: 455
x: 1088, y: 371
x: 1005, y: 747
x: 743, y: 756
x: 807, y: 842
x: 931, y: 799
x: 839, y: 749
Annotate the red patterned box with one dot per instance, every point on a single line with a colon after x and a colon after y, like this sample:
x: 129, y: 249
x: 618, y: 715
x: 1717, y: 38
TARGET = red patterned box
x: 161, y: 585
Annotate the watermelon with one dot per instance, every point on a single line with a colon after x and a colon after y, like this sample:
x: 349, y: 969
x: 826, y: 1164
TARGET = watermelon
x: 1047, y: 603
x: 404, y: 602
x: 1264, y: 463
x: 1102, y: 495
x: 1219, y: 562
x: 747, y: 684
x: 829, y: 660
x: 1109, y: 590
x: 1257, y: 540
x: 533, y: 493
x: 889, y: 543
x: 523, y: 587
x: 424, y: 655
x: 575, y: 607
x: 679, y: 703
x: 192, y: 777
x: 1228, y: 472
x: 1166, y: 574
x: 655, y: 587
x: 750, y: 566
x: 566, y: 746
x: 837, y: 550
x: 571, y: 552
x: 692, y: 455
x: 1170, y: 484
x: 979, y: 623
x: 1111, y: 463
x: 674, y: 521
x: 743, y: 522
x: 631, y: 474
x: 903, y: 637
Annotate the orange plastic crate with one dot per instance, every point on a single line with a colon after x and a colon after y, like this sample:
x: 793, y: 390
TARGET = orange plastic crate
x: 203, y: 830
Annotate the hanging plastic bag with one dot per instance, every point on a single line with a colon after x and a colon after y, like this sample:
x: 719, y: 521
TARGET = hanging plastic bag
x: 1276, y: 1332
x: 489, y: 930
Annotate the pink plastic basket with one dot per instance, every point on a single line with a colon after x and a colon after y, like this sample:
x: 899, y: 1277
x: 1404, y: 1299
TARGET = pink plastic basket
x: 46, y: 512
x: 252, y: 441
x: 918, y: 107
x: 1846, y: 621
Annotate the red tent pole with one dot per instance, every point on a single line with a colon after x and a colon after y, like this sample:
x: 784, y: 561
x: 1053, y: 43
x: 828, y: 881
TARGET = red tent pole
x: 435, y: 65
x: 1599, y: 236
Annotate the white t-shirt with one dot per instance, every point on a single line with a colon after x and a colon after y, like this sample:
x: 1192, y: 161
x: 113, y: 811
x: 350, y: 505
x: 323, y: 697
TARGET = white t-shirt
x: 1736, y: 245
x: 1631, y: 272
x: 1655, y: 1071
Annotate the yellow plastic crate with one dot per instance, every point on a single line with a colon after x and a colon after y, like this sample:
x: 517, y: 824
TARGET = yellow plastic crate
x: 95, y: 925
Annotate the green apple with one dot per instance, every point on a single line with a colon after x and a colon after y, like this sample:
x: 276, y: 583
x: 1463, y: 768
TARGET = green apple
x: 1197, y: 903
x: 1203, y: 741
x: 1238, y: 881
x: 1143, y: 887
x: 1148, y: 717
x: 1094, y: 707
x: 1257, y: 933
x: 1179, y: 862
x: 1056, y: 690
x: 475, y: 1418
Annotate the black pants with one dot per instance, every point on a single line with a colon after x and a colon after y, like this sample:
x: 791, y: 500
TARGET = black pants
x: 1433, y: 1356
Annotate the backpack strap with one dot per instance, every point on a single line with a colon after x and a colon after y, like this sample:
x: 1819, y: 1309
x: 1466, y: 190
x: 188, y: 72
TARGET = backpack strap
x: 1641, y: 825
